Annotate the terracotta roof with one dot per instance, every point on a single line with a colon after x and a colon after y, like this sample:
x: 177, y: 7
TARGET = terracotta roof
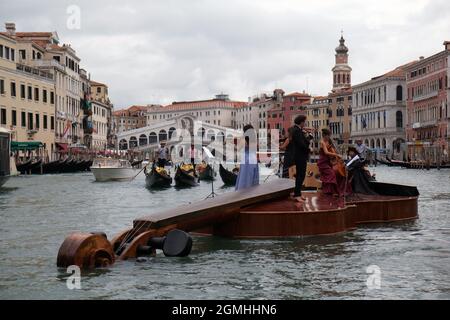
x: 297, y: 94
x: 33, y: 34
x: 95, y: 83
x: 397, y: 72
x: 341, y: 92
x: 204, y: 104
x: 52, y: 46
x: 6, y: 35
x: 130, y: 110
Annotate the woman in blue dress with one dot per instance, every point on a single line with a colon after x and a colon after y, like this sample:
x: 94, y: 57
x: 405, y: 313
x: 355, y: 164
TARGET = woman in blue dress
x: 249, y: 170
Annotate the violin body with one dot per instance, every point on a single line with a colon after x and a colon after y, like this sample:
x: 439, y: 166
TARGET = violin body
x: 337, y: 163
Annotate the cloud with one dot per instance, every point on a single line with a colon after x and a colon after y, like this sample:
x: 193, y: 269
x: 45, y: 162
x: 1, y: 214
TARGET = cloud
x: 163, y: 51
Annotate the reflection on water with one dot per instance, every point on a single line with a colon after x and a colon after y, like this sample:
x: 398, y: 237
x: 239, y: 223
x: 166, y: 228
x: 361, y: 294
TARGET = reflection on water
x: 37, y: 212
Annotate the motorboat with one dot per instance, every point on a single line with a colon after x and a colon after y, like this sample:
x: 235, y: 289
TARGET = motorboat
x: 109, y: 169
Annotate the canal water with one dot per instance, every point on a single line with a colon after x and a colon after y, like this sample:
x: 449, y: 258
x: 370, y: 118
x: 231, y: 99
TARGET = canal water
x: 411, y: 260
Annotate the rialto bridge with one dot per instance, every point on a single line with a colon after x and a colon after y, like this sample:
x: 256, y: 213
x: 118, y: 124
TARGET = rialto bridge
x: 180, y: 133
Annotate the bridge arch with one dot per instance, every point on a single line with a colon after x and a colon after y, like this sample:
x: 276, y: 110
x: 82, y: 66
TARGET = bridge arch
x: 143, y: 140
x: 152, y: 138
x: 123, y: 144
x: 162, y: 135
x: 172, y: 132
x: 133, y: 142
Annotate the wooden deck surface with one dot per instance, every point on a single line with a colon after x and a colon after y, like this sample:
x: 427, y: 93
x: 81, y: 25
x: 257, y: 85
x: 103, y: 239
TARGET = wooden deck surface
x: 229, y: 202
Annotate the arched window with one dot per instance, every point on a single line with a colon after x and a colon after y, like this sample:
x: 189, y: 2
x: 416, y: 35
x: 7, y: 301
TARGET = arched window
x: 152, y: 138
x: 133, y: 142
x: 172, y: 132
x: 399, y: 119
x: 399, y: 93
x: 162, y: 135
x: 384, y: 143
x: 123, y: 144
x: 142, y: 140
x: 210, y: 135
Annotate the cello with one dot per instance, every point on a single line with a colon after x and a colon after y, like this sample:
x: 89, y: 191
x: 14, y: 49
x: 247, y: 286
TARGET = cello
x: 337, y: 163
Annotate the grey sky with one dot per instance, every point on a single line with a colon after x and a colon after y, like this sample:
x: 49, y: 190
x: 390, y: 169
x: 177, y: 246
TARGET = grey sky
x: 169, y: 50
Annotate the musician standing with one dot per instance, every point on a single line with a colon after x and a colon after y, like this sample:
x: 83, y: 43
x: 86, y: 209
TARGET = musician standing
x: 332, y: 183
x: 300, y: 141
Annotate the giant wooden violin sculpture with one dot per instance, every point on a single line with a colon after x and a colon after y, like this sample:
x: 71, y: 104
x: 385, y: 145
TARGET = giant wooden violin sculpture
x: 337, y: 163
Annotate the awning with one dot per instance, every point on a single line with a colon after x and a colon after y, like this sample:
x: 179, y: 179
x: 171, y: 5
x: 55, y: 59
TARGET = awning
x: 26, y: 145
x: 62, y: 147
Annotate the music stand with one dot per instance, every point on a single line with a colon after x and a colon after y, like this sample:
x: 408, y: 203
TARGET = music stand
x: 347, y: 166
x: 210, y: 156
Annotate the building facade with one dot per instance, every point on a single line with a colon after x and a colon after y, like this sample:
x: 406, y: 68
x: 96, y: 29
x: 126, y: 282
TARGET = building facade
x: 64, y: 64
x: 379, y: 111
x: 134, y: 117
x: 219, y: 111
x: 282, y: 116
x: 27, y: 95
x: 428, y: 113
x: 257, y: 110
x: 317, y: 118
x: 102, y: 110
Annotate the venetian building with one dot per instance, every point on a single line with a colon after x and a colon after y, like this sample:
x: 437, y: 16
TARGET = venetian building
x: 428, y: 112
x: 379, y: 112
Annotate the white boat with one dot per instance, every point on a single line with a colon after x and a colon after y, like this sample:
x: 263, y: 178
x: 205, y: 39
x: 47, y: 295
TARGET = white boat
x: 108, y: 169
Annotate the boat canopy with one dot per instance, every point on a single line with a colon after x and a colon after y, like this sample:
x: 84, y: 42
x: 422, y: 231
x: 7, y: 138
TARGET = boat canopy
x: 25, y: 145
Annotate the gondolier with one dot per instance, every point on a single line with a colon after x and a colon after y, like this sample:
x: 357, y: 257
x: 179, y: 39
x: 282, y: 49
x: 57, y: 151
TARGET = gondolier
x: 162, y: 155
x: 361, y: 148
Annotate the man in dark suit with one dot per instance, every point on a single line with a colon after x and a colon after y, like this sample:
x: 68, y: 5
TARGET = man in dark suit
x: 301, y: 154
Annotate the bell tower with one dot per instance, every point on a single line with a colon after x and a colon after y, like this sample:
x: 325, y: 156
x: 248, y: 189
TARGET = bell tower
x: 341, y: 70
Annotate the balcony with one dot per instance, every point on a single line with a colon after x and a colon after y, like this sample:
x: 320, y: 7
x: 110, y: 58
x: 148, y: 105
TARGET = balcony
x: 425, y: 124
x: 33, y: 71
x: 48, y: 64
x: 425, y: 96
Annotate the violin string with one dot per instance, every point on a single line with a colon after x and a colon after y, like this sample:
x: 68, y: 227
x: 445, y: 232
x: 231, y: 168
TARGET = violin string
x: 130, y: 234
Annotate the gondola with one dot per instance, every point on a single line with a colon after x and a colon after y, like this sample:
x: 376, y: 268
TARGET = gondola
x: 51, y: 167
x: 205, y: 171
x: 88, y: 165
x: 185, y: 176
x: 22, y: 167
x: 158, y: 178
x: 35, y: 167
x: 387, y: 163
x: 69, y: 166
x: 136, y: 163
x: 79, y: 165
x: 228, y: 177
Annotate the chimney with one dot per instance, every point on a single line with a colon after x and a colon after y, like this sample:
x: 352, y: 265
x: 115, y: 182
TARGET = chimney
x: 447, y: 45
x: 10, y: 28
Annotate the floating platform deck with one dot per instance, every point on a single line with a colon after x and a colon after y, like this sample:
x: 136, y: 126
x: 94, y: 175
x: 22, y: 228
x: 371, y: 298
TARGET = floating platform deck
x: 268, y: 211
x: 264, y: 211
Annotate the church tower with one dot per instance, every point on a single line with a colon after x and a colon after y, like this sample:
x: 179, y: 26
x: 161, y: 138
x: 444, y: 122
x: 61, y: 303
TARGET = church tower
x: 341, y: 70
